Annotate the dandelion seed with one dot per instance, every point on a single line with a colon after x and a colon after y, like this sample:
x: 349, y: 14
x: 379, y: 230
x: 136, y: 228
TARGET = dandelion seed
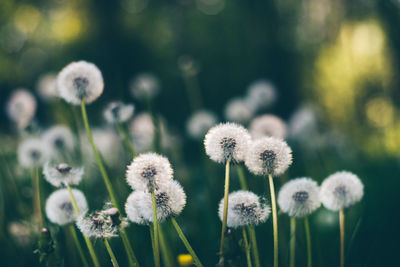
x: 32, y: 153
x: 59, y: 207
x: 227, y: 141
x: 341, y: 190
x: 60, y: 140
x: 268, y: 155
x: 145, y: 86
x: 21, y: 108
x: 118, y: 112
x: 62, y: 174
x: 80, y: 81
x: 238, y: 110
x: 199, y: 123
x: 299, y: 197
x: 47, y: 86
x: 244, y: 209
x: 267, y: 125
x: 260, y: 95
x: 148, y: 171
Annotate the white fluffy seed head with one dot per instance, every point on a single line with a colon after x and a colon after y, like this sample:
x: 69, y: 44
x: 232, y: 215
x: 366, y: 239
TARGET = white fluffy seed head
x: 33, y: 153
x: 80, y: 81
x: 47, y: 86
x: 244, y: 208
x: 145, y: 86
x: 227, y: 141
x: 261, y: 94
x: 62, y: 174
x: 303, y: 123
x: 142, y: 131
x: 21, y: 107
x: 170, y: 201
x: 117, y: 112
x: 238, y: 110
x: 60, y: 140
x: 148, y: 171
x: 59, y: 207
x: 199, y: 123
x: 299, y: 197
x: 268, y: 155
x: 341, y: 190
x: 267, y: 125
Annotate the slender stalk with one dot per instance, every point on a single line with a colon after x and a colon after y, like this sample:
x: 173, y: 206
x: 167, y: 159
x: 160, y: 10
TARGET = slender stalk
x: 242, y: 179
x: 246, y: 247
x: 186, y: 243
x: 131, y: 256
x: 341, y: 223
x: 155, y: 224
x: 87, y: 241
x: 254, y: 247
x: 292, y: 241
x: 125, y: 139
x: 38, y: 205
x: 308, y: 237
x: 274, y: 218
x: 78, y: 245
x: 225, y: 214
x: 111, y: 253
x: 151, y: 230
x: 166, y: 255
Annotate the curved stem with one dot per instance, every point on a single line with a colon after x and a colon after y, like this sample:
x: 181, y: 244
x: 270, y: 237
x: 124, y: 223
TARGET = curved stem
x: 254, y: 247
x: 292, y: 241
x: 131, y: 256
x: 125, y: 139
x: 274, y: 218
x: 186, y: 243
x: 111, y: 253
x: 341, y: 223
x: 155, y: 224
x: 166, y: 255
x: 246, y: 247
x: 225, y: 214
x: 78, y: 245
x: 38, y: 205
x: 242, y: 179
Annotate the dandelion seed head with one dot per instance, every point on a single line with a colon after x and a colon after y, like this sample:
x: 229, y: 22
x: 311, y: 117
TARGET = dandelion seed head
x: 244, y: 208
x: 227, y: 141
x: 80, y: 81
x: 341, y: 190
x: 62, y: 174
x: 199, y: 123
x: 59, y: 207
x: 145, y: 86
x: 267, y: 125
x: 60, y: 140
x: 268, y: 155
x: 21, y: 107
x: 148, y: 171
x: 142, y: 131
x: 47, y: 86
x: 299, y: 197
x: 238, y: 110
x: 303, y: 123
x: 21, y: 232
x: 117, y: 112
x: 132, y: 207
x: 261, y: 94
x: 32, y: 153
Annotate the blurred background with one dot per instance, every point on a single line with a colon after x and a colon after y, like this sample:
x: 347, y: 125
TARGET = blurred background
x: 333, y: 67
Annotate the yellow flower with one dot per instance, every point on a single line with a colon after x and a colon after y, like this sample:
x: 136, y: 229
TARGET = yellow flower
x: 185, y: 260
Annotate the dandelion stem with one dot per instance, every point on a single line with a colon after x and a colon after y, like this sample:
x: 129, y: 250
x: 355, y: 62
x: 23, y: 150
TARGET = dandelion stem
x: 166, y: 255
x: 225, y: 214
x: 151, y: 229
x: 246, y: 247
x: 125, y: 139
x: 38, y: 206
x: 254, y: 247
x: 186, y: 243
x: 78, y: 245
x: 87, y: 241
x: 131, y: 256
x: 308, y: 237
x: 274, y: 218
x: 341, y: 223
x: 242, y: 179
x: 155, y: 224
x: 111, y: 253
x: 292, y: 241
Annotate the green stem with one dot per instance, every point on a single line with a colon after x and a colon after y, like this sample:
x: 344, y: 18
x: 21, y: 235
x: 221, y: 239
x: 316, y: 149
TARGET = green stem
x: 225, y: 214
x: 242, y: 179
x: 254, y: 247
x: 274, y: 218
x: 292, y: 241
x: 151, y: 229
x: 111, y: 253
x: 126, y: 140
x: 78, y: 245
x: 186, y: 243
x: 341, y: 223
x: 308, y: 237
x: 166, y: 255
x: 38, y: 205
x: 87, y: 241
x: 155, y: 224
x: 131, y: 255
x: 246, y: 247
